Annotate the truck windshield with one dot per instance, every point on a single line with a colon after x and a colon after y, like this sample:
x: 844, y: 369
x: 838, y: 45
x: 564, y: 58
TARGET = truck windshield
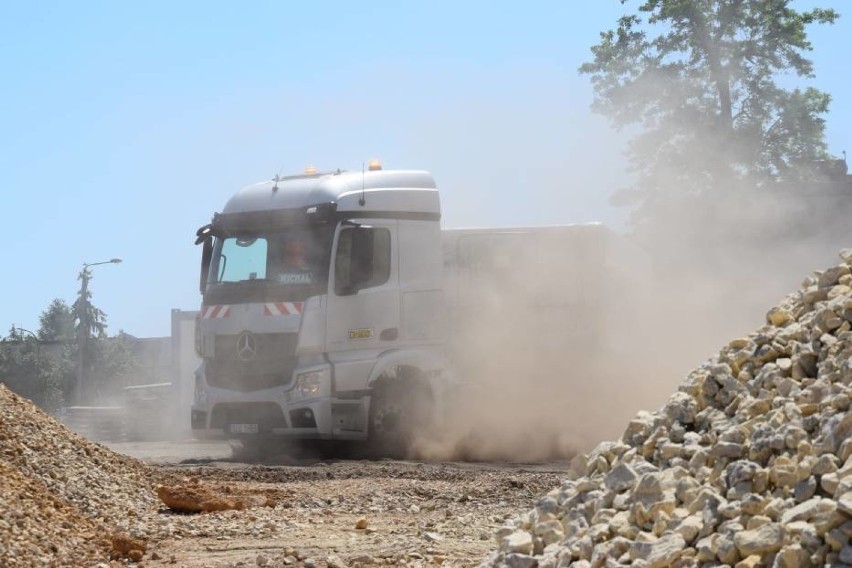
x: 290, y: 264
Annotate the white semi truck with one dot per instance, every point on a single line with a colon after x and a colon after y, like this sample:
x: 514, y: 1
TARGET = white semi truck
x: 335, y: 307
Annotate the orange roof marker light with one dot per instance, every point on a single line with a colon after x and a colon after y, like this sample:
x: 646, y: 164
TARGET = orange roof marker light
x: 310, y: 170
x: 374, y: 166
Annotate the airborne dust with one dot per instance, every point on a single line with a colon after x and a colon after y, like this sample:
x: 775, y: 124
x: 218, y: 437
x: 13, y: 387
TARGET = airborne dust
x: 562, y: 340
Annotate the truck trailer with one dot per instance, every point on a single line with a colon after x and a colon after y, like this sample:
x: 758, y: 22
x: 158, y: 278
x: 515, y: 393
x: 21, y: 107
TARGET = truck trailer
x: 335, y: 307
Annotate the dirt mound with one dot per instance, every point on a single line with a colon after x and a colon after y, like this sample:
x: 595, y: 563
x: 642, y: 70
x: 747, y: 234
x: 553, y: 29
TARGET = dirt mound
x: 36, y: 528
x: 67, y: 489
x: 748, y: 464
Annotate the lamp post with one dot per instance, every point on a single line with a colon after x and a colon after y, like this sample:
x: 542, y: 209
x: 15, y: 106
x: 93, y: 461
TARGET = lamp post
x: 38, y: 352
x: 83, y: 335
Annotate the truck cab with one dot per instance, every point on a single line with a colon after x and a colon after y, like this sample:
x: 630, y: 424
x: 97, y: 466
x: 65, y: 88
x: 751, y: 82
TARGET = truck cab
x: 322, y: 309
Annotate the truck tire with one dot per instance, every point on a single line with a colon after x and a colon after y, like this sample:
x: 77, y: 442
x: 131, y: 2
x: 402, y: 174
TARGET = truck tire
x: 400, y: 409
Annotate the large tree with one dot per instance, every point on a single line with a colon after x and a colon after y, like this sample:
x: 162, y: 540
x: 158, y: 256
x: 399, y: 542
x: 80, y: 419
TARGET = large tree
x: 713, y: 93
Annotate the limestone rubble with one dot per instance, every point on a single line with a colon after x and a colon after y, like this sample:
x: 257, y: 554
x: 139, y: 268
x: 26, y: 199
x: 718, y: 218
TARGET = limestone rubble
x: 748, y: 464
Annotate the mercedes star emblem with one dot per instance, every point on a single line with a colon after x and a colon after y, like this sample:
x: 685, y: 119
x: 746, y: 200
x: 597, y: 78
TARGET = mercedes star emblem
x: 246, y: 346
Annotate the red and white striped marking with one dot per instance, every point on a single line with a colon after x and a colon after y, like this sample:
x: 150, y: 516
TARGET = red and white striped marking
x: 216, y: 312
x: 283, y: 308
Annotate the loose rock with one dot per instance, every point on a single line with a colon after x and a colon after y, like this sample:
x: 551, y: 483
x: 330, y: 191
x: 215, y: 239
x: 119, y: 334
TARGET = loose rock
x: 751, y: 457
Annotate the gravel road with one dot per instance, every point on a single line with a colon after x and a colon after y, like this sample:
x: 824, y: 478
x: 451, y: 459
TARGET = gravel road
x: 334, y: 513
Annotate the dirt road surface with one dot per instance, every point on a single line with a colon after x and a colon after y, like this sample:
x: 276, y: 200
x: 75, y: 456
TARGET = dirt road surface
x: 335, y: 513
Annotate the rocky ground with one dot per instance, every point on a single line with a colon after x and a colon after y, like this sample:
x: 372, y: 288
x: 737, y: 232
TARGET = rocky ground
x: 350, y: 513
x: 748, y: 464
x: 65, y: 501
x: 62, y: 497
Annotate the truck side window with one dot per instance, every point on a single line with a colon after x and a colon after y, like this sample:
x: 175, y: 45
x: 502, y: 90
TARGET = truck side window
x: 363, y: 259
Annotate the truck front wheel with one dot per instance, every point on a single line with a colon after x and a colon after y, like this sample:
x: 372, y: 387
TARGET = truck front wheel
x: 401, y: 409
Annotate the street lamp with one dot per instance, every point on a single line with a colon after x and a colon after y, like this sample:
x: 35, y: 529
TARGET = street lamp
x: 83, y: 338
x: 110, y: 261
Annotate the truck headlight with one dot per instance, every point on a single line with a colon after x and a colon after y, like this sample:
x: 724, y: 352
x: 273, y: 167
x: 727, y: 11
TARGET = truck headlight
x: 309, y: 383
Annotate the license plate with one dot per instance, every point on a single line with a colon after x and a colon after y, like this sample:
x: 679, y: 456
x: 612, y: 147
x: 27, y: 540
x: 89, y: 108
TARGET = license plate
x: 243, y: 428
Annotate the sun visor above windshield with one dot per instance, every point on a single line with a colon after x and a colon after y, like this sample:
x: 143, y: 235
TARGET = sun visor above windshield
x: 273, y: 219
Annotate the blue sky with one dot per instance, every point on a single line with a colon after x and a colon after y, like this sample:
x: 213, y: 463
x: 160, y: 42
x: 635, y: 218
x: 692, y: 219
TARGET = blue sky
x: 127, y: 125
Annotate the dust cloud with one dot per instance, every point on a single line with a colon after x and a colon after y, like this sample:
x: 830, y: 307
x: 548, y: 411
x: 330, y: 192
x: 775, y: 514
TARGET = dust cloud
x: 560, y: 335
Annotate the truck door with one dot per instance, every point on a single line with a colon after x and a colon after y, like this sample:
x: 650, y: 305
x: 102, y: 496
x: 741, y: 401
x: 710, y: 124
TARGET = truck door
x: 363, y: 300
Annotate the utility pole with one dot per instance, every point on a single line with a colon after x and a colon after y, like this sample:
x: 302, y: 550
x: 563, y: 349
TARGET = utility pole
x: 84, y: 325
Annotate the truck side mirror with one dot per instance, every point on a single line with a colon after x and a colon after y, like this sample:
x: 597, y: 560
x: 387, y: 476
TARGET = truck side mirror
x: 204, y: 236
x: 206, y: 256
x: 203, y: 233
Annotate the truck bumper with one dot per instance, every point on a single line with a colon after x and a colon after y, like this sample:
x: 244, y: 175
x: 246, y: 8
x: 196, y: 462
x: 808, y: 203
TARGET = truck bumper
x: 228, y: 419
x: 277, y: 412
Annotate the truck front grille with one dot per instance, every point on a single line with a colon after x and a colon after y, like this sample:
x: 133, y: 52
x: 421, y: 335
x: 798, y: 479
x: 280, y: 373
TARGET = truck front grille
x: 271, y: 365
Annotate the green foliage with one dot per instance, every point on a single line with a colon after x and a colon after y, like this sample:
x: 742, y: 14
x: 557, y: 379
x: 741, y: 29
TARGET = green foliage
x: 58, y: 376
x: 18, y: 364
x: 110, y: 365
x: 90, y: 321
x: 701, y: 83
x: 45, y: 371
x: 56, y: 322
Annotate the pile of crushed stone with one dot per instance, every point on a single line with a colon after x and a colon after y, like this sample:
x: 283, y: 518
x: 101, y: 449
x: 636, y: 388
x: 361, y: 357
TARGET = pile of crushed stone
x: 61, y: 496
x: 748, y: 464
x: 65, y: 501
x: 38, y: 529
